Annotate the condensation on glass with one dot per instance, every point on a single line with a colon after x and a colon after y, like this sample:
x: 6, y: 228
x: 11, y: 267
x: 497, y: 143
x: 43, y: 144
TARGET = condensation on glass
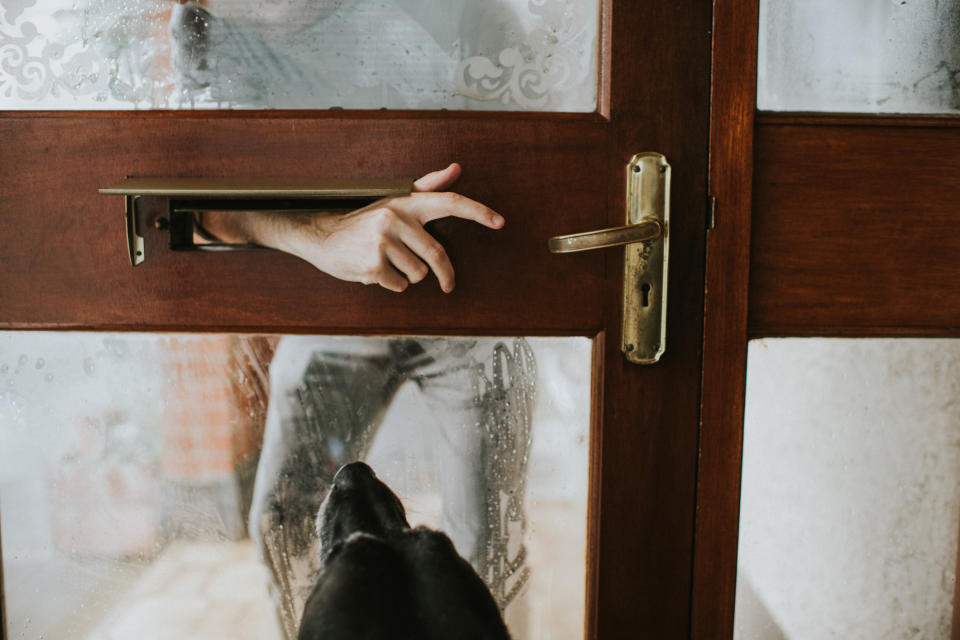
x: 304, y: 54
x: 850, y: 507
x: 129, y: 464
x: 875, y: 56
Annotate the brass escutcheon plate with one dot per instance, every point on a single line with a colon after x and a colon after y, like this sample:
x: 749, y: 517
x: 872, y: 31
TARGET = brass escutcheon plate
x: 644, y: 334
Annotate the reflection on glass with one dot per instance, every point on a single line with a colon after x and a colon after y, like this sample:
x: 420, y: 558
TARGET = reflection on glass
x: 849, y: 508
x: 311, y: 54
x: 129, y: 464
x: 859, y: 55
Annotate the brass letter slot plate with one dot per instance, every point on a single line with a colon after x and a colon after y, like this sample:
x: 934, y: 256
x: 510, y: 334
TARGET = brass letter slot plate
x: 646, y: 240
x: 188, y: 197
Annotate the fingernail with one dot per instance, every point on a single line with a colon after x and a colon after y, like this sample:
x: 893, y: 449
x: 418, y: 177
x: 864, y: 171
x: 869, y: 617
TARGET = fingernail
x: 497, y: 220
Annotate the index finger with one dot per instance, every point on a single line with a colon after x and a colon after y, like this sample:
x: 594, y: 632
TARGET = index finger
x: 431, y: 206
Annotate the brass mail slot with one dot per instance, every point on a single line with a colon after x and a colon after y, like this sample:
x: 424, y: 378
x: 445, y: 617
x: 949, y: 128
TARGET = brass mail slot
x: 188, y: 198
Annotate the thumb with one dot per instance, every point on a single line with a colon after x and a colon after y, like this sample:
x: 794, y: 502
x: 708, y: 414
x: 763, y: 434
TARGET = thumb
x: 438, y: 180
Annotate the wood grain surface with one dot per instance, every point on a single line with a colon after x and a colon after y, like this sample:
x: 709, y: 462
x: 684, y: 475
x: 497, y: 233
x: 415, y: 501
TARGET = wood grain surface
x: 725, y: 323
x: 63, y: 250
x: 855, y: 229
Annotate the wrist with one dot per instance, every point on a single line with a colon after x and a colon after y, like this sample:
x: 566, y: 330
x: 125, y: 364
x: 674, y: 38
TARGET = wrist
x: 265, y: 228
x: 299, y: 234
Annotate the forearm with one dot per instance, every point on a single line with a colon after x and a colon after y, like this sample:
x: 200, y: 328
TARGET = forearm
x: 266, y: 228
x: 382, y: 243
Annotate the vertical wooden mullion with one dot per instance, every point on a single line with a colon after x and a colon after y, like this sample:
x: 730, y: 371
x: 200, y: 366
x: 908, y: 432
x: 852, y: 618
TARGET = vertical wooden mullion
x: 732, y: 108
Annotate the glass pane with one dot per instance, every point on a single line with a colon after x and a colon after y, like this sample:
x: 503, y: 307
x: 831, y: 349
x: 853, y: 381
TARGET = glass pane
x: 850, y: 509
x: 129, y: 464
x: 299, y: 54
x: 859, y: 55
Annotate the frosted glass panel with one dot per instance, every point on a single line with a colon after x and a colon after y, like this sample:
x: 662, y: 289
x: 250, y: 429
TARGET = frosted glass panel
x: 156, y: 486
x: 850, y: 504
x: 859, y: 55
x: 303, y: 54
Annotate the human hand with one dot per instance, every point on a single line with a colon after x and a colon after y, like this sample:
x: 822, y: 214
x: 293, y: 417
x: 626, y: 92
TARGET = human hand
x: 383, y: 243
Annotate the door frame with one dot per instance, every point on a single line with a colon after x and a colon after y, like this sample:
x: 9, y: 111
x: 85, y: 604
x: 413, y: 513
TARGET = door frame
x: 767, y: 276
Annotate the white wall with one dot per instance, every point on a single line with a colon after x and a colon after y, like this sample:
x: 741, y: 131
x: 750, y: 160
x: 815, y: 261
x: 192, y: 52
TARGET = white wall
x: 850, y: 504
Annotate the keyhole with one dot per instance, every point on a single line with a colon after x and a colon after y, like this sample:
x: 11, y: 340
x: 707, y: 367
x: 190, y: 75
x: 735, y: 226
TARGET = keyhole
x: 645, y: 291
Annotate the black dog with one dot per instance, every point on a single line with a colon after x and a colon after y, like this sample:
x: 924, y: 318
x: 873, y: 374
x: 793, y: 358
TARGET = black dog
x: 381, y: 579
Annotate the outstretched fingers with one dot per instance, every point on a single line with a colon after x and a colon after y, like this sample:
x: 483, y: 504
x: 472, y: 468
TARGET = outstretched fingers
x: 410, y: 253
x: 425, y: 207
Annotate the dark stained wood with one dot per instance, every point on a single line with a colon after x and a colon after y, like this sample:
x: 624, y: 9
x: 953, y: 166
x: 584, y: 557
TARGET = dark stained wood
x: 855, y: 229
x: 605, y: 59
x: 651, y: 413
x: 856, y: 119
x: 725, y: 322
x: 65, y: 267
x: 598, y: 366
x: 63, y: 251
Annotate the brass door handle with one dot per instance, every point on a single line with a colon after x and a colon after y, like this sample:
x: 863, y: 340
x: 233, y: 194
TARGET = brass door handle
x: 644, y: 231
x: 646, y: 240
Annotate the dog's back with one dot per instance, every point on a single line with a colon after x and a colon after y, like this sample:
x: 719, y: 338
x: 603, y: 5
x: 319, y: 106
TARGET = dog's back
x: 382, y: 579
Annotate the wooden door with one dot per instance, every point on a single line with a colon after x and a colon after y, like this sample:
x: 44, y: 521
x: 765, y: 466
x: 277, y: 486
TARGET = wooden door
x: 827, y: 224
x: 65, y: 265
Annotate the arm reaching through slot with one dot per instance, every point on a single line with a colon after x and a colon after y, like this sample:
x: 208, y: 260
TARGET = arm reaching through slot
x: 383, y: 243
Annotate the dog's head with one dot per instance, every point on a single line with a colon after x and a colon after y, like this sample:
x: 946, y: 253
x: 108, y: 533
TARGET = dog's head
x: 358, y: 503
x: 382, y: 579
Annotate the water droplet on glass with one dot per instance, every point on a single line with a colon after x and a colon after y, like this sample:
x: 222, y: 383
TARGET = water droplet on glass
x: 40, y: 363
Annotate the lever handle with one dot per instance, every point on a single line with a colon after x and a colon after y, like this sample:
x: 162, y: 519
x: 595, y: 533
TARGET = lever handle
x: 644, y: 231
x: 646, y: 237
